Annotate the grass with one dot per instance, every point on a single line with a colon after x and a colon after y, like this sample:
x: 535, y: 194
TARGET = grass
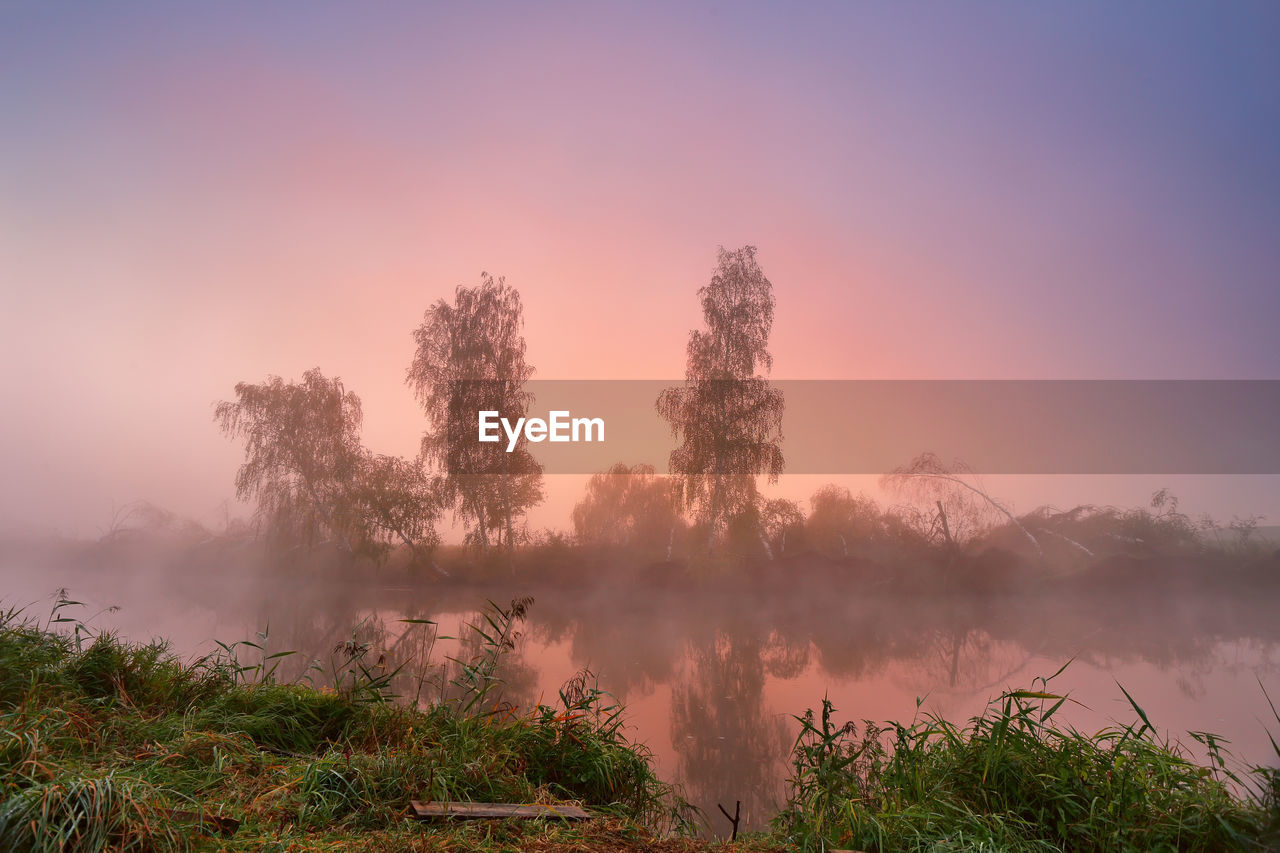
x: 1013, y: 779
x: 106, y: 745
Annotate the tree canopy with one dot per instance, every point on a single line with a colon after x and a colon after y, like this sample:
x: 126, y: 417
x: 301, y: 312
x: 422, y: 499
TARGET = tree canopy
x: 470, y: 358
x: 309, y: 474
x: 726, y: 417
x: 627, y: 505
x: 302, y: 447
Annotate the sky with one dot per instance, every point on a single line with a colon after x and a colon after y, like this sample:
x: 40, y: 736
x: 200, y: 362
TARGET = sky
x: 193, y: 195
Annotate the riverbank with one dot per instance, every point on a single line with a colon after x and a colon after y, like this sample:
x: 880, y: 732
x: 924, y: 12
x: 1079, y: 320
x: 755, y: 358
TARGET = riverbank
x: 109, y: 745
x: 1013, y: 779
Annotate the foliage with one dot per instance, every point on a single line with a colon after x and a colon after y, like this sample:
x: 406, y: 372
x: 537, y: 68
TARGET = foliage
x: 306, y: 468
x: 110, y: 746
x: 477, y: 679
x: 627, y: 506
x: 837, y: 518
x: 726, y: 417
x: 1159, y: 529
x: 784, y: 526
x: 302, y: 447
x: 397, y: 500
x: 581, y: 742
x: 1013, y: 780
x: 470, y: 358
x: 101, y: 812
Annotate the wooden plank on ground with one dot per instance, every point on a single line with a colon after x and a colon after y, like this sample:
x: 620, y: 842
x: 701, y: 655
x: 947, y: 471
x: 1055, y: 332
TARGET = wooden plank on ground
x: 470, y: 811
x: 225, y: 826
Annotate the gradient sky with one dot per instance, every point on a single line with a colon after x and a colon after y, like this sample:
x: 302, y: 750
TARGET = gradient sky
x: 192, y: 196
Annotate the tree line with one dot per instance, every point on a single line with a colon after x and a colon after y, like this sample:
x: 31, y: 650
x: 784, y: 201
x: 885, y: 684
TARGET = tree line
x: 312, y: 480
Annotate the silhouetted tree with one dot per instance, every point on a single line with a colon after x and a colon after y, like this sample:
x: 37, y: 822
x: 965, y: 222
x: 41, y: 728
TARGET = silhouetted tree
x: 726, y: 417
x: 783, y: 524
x: 397, y: 501
x: 964, y: 508
x: 837, y: 518
x: 627, y: 506
x: 306, y: 468
x: 302, y: 450
x: 471, y: 358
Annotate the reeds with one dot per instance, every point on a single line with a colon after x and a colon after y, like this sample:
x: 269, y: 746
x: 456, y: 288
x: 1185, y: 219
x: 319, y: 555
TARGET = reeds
x: 106, y: 745
x: 1014, y: 779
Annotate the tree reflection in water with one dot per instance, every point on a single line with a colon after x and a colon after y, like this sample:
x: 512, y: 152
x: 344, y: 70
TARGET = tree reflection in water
x: 790, y: 629
x: 729, y: 746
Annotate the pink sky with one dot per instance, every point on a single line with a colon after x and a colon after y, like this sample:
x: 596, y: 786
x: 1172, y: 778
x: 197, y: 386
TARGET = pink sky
x: 190, y: 200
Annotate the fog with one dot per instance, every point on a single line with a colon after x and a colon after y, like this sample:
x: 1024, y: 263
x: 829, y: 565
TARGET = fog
x: 261, y: 271
x: 191, y: 201
x: 711, y: 668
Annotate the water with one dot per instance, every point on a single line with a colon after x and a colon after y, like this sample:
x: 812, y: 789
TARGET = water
x: 712, y: 676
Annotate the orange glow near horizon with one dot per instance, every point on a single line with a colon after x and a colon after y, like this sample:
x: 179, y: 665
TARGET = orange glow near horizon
x: 189, y: 202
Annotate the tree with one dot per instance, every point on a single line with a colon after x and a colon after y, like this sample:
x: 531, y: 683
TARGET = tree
x: 397, y: 501
x: 471, y: 358
x: 306, y: 468
x: 783, y: 524
x: 837, y: 518
x: 628, y: 506
x: 964, y: 509
x: 726, y: 417
x: 302, y: 449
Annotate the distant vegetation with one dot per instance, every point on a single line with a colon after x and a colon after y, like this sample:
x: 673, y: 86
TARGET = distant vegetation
x: 313, y: 481
x: 318, y: 490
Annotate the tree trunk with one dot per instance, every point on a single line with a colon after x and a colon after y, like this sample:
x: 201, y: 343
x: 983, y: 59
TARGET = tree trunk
x: 413, y: 547
x: 328, y: 519
x: 511, y: 533
x: 946, y: 528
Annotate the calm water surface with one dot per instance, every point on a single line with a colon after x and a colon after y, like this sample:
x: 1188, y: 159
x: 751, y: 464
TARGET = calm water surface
x: 711, y: 678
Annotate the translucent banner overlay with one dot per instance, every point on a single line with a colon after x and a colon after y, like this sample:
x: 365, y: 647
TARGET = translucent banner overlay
x: 992, y: 426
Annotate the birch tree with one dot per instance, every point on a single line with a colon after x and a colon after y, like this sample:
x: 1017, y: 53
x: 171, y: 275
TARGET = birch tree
x: 302, y: 448
x: 726, y: 417
x: 310, y: 476
x: 470, y: 358
x: 628, y: 506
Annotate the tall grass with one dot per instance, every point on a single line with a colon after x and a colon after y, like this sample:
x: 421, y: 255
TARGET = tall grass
x: 103, y: 812
x: 1014, y: 779
x: 477, y: 680
x: 107, y: 745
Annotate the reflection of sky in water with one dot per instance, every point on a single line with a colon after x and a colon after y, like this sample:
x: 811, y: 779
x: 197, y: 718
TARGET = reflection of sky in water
x: 710, y: 685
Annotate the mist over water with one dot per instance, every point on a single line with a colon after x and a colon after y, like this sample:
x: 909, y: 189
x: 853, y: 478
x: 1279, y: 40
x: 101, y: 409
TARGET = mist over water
x: 711, y: 670
x: 902, y: 326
